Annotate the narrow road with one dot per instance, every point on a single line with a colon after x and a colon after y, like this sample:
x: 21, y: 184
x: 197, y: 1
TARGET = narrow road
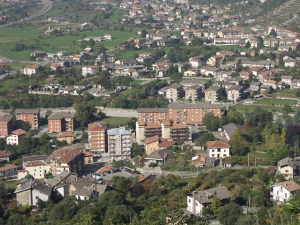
x: 47, y: 5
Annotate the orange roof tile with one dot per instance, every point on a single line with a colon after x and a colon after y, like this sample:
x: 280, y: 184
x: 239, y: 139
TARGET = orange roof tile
x: 217, y: 144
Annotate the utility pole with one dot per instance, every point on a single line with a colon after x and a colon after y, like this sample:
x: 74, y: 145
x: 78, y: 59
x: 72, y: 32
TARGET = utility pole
x: 248, y: 159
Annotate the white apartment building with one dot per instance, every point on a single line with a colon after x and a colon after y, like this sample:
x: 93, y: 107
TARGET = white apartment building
x: 119, y: 143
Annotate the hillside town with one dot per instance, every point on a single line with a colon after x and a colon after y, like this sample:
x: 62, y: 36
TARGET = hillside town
x: 150, y: 112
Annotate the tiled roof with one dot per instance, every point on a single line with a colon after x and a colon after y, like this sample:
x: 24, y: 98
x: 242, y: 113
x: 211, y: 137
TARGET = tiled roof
x: 217, y: 144
x: 97, y: 126
x: 8, y: 167
x: 291, y: 186
x: 105, y: 169
x: 150, y: 140
x: 27, y: 111
x: 152, y: 110
x: 19, y: 132
x: 67, y: 154
x: 66, y: 134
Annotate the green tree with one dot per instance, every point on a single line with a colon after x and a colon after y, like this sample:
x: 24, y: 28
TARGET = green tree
x: 229, y: 214
x: 211, y: 122
x: 85, y: 113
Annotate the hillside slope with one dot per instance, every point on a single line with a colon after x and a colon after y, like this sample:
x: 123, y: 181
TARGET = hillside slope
x: 286, y: 15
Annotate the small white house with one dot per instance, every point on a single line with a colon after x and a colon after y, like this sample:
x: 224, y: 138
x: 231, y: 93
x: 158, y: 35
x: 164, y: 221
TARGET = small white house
x: 89, y: 70
x: 218, y: 149
x: 284, y: 191
x: 195, y: 62
x: 30, y: 70
x: 14, y: 138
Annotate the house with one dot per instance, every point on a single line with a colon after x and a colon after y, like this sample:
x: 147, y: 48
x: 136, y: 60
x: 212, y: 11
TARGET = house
x: 289, y: 167
x: 283, y: 191
x: 211, y: 95
x: 151, y: 144
x: 197, y: 201
x: 30, y: 116
x: 86, y: 188
x: 201, y: 161
x: 5, y: 156
x: 61, y: 182
x: 60, y: 122
x: 287, y: 80
x: 196, y: 62
x: 30, y: 70
x: 30, y: 192
x: 8, y: 170
x: 233, y: 93
x: 5, y: 124
x: 218, y: 149
x: 159, y: 157
x: 14, y: 138
x: 67, y: 137
x: 289, y: 62
x: 69, y: 159
x: 38, y: 169
x: 89, y: 70
x: 119, y: 142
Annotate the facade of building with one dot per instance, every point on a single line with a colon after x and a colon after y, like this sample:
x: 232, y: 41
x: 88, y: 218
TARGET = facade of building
x: 60, y: 122
x: 218, y: 149
x: 289, y: 167
x: 30, y: 116
x: 37, y: 169
x: 8, y: 170
x: 5, y: 124
x: 284, y: 191
x: 97, y: 137
x: 119, y: 143
x: 172, y: 122
x: 211, y: 95
x: 30, y: 192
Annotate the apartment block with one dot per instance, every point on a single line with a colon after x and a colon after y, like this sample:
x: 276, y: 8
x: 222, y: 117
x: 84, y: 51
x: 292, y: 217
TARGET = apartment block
x: 61, y: 122
x: 97, y: 137
x: 5, y: 124
x: 119, y: 143
x: 30, y: 116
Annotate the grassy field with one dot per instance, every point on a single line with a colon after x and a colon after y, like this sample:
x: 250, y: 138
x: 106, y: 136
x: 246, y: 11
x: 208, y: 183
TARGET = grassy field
x: 274, y: 101
x: 287, y: 93
x: 116, y: 121
x: 31, y: 36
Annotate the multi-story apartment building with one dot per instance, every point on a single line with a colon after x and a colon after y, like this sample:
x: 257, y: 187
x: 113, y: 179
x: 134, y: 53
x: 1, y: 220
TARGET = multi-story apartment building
x: 172, y: 121
x: 189, y: 113
x: 61, y: 122
x: 5, y: 124
x: 119, y: 143
x: 30, y: 116
x: 97, y: 137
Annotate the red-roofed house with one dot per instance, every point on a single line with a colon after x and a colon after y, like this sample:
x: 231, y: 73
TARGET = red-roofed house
x: 30, y: 70
x: 284, y: 191
x: 155, y: 143
x: 14, y: 138
x: 37, y: 169
x: 218, y: 149
x: 70, y: 159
